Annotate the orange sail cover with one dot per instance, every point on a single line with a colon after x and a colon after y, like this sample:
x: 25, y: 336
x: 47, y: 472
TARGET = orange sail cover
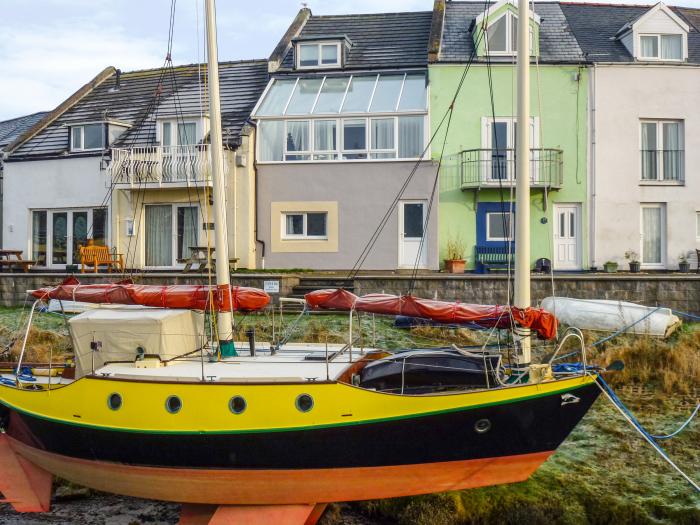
x: 184, y: 296
x: 543, y: 322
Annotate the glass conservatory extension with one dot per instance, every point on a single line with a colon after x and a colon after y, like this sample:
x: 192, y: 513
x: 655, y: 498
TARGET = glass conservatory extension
x: 343, y: 118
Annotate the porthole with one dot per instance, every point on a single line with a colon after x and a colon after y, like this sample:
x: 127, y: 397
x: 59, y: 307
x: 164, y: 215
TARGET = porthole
x: 482, y: 426
x: 304, y: 402
x: 173, y: 404
x: 237, y: 405
x: 114, y: 401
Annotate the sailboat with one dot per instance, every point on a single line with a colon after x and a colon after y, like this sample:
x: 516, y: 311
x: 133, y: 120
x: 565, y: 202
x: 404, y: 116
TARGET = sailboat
x: 261, y: 432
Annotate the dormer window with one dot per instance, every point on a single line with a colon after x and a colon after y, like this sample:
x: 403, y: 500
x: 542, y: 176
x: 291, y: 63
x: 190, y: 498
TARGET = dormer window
x: 502, y: 35
x: 178, y: 133
x: 661, y: 47
x: 311, y: 55
x: 87, y: 137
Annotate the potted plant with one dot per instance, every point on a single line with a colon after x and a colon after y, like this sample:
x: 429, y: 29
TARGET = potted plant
x: 633, y: 258
x: 610, y: 267
x: 454, y: 262
x: 683, y: 264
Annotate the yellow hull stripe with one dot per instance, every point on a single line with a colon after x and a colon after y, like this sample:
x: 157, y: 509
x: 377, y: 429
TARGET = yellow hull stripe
x: 270, y: 407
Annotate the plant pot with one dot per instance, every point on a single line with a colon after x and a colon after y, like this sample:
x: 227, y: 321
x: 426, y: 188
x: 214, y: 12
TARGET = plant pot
x: 610, y: 267
x: 635, y: 266
x: 454, y: 265
x: 684, y: 267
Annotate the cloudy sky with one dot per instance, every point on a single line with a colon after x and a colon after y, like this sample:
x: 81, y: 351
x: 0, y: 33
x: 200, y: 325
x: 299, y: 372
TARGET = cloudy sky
x: 49, y: 48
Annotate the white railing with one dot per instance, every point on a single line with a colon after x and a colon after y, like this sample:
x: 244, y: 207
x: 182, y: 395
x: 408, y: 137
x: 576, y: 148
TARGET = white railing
x: 162, y: 165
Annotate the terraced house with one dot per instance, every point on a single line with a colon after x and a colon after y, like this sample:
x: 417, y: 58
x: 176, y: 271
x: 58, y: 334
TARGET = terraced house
x: 478, y: 169
x: 341, y: 126
x: 644, y: 130
x: 124, y: 163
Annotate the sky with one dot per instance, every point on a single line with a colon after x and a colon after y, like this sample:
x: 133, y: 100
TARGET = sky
x: 50, y: 48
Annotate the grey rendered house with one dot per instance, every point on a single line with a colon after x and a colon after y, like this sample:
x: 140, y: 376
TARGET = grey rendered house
x: 341, y: 126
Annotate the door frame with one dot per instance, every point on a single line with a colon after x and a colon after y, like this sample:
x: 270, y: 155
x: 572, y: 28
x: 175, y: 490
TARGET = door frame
x: 174, y: 206
x: 424, y: 251
x: 579, y: 234
x: 664, y: 236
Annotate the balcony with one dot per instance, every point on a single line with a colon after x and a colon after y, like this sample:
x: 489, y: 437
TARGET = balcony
x: 162, y: 166
x: 495, y: 168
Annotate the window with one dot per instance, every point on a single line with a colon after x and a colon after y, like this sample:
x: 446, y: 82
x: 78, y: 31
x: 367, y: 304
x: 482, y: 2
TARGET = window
x: 39, y: 237
x: 497, y: 224
x: 57, y: 235
x: 653, y: 235
x: 305, y: 225
x: 321, y: 54
x: 174, y: 133
x: 170, y: 231
x: 399, y: 132
x: 662, y: 150
x: 661, y: 47
x: 87, y: 137
x: 697, y: 225
x: 502, y: 35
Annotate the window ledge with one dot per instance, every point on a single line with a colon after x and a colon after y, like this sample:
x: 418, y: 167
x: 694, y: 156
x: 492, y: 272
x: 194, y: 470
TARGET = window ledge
x: 332, y: 162
x: 661, y: 183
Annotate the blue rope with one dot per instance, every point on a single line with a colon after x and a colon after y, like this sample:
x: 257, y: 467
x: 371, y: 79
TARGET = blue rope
x: 686, y: 314
x: 682, y: 427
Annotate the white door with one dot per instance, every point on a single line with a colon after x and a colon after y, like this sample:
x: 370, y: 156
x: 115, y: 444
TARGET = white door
x: 411, y: 226
x: 653, y: 236
x: 567, y: 237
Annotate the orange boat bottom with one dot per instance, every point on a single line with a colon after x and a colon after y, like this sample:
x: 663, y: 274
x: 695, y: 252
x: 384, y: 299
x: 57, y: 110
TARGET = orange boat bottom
x: 298, y: 491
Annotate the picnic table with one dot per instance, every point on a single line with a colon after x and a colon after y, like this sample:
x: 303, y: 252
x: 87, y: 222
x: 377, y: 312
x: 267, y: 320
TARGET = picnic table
x: 13, y: 259
x: 202, y: 259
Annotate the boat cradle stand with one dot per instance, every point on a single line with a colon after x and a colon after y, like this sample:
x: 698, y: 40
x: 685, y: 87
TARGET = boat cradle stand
x: 24, y: 485
x: 251, y: 514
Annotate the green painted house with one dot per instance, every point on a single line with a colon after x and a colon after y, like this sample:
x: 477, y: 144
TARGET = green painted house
x: 478, y: 163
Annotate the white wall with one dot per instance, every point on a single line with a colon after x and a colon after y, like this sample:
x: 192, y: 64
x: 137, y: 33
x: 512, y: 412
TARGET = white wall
x: 624, y: 94
x: 55, y: 183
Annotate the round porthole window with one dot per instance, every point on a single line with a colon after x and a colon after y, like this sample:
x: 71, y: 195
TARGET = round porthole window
x: 237, y: 405
x: 304, y: 402
x: 173, y: 404
x: 114, y: 401
x: 482, y: 426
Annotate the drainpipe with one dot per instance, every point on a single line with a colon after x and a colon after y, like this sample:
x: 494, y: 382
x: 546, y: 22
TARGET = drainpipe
x: 255, y: 175
x: 592, y: 167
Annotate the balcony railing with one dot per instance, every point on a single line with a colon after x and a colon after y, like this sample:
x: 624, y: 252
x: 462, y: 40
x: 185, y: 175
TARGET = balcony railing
x: 162, y: 165
x: 663, y: 165
x: 492, y: 168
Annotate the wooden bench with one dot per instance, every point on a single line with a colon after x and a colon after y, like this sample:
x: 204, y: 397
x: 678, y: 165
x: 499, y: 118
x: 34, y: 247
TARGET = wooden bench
x: 97, y: 256
x: 488, y: 257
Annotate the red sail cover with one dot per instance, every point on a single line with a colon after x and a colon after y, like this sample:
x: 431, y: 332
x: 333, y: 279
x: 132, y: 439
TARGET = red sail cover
x: 184, y: 296
x: 543, y: 322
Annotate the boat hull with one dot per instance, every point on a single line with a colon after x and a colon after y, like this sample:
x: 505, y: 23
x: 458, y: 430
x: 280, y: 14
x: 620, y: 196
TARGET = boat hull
x: 445, y: 442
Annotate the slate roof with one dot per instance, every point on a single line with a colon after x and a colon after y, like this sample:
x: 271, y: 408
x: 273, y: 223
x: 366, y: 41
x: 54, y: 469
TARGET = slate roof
x: 557, y: 42
x: 382, y: 40
x: 241, y: 84
x: 13, y: 128
x: 595, y: 26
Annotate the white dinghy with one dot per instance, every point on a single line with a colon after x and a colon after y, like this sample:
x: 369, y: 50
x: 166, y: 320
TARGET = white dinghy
x: 612, y: 316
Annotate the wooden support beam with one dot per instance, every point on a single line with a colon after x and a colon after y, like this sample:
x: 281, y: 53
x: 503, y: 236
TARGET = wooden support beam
x: 24, y: 485
x: 251, y: 514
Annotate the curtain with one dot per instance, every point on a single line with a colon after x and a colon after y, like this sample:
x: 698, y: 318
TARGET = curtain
x: 271, y: 140
x: 297, y: 138
x: 325, y: 138
x: 187, y: 227
x: 651, y: 235
x: 39, y: 237
x: 672, y: 47
x: 499, y: 150
x: 649, y: 151
x: 650, y: 46
x: 382, y: 132
x: 159, y: 231
x: 411, y: 139
x: 673, y: 151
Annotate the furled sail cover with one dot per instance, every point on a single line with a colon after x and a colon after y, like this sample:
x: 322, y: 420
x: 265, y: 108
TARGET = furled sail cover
x: 189, y: 296
x: 543, y: 322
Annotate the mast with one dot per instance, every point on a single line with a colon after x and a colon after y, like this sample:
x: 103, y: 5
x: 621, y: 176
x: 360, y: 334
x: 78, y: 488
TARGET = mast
x: 224, y: 319
x: 522, y: 188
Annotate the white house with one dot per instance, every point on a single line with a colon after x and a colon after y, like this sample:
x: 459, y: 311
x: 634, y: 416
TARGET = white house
x: 644, y: 131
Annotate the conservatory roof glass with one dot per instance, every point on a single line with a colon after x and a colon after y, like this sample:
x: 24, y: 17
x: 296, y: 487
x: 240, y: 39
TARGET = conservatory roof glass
x: 333, y: 95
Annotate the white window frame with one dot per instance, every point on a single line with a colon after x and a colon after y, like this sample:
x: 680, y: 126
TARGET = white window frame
x: 310, y: 139
x: 304, y: 236
x: 394, y: 150
x: 319, y: 45
x: 173, y: 131
x: 332, y: 152
x: 486, y: 139
x: 510, y: 47
x: 658, y: 57
x: 697, y: 225
x: 489, y: 237
x: 660, y: 147
x: 664, y: 248
x: 82, y: 136
x: 174, y: 208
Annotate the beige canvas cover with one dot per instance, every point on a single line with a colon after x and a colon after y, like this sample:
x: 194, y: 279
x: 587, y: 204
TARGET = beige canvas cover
x: 122, y: 330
